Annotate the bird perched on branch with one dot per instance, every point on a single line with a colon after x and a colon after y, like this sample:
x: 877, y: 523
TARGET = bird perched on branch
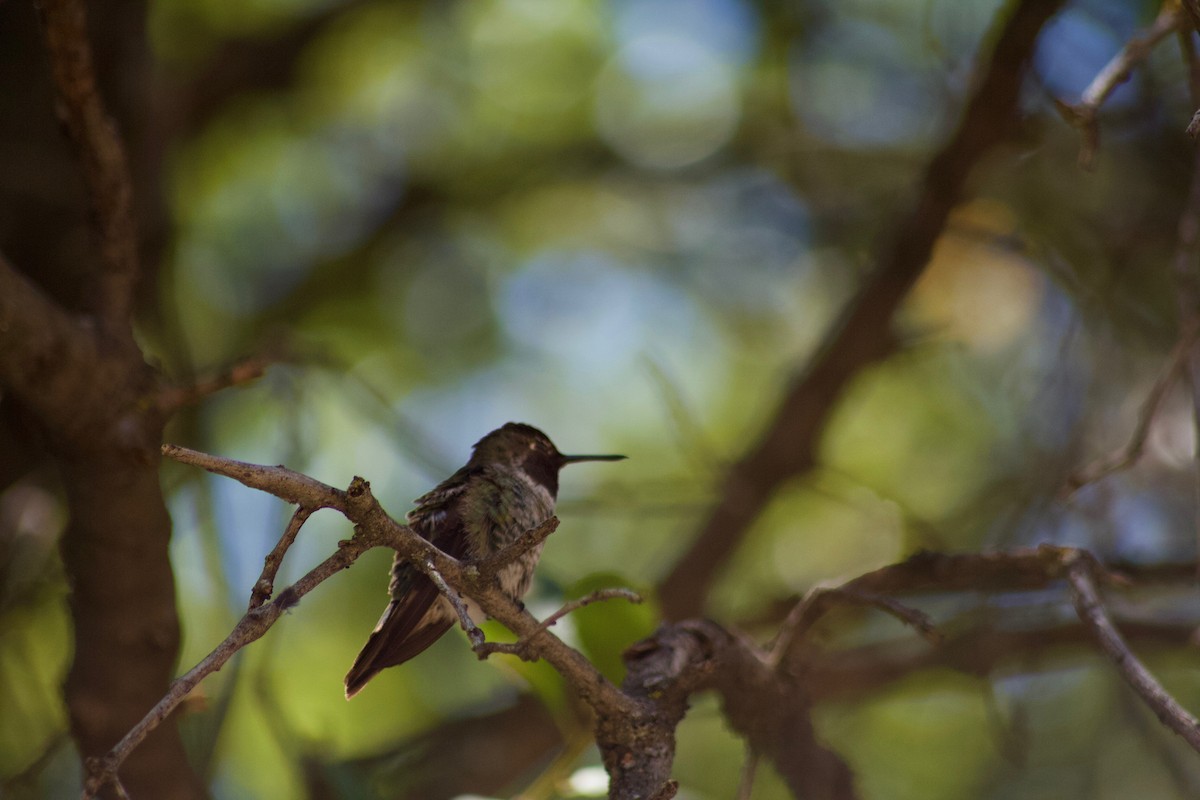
x: 507, y: 488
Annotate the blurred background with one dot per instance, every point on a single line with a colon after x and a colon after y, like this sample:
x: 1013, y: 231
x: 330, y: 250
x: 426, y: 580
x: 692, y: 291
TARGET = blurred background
x: 630, y: 223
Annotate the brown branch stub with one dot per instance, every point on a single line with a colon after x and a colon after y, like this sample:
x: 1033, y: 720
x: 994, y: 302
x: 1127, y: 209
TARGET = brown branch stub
x: 102, y: 154
x: 862, y: 336
x: 1080, y: 568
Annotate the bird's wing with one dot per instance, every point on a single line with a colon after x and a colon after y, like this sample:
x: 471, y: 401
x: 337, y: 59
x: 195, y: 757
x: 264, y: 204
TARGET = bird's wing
x: 412, y: 622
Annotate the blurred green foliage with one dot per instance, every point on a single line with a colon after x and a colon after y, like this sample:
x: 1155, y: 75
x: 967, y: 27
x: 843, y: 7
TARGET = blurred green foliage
x: 629, y: 222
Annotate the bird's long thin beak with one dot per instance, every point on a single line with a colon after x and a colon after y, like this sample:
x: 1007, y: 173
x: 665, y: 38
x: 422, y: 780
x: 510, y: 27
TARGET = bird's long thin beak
x: 576, y: 459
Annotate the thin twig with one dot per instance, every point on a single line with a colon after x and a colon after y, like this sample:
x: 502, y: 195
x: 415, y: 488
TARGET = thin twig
x: 519, y: 648
x: 286, y: 484
x: 490, y: 565
x: 746, y: 779
x: 816, y: 602
x: 1079, y: 566
x: 99, y: 147
x: 1128, y: 455
x: 1082, y: 115
x: 172, y: 398
x: 264, y: 587
x: 863, y: 333
x: 1192, y: 9
x: 249, y: 628
x: 455, y: 600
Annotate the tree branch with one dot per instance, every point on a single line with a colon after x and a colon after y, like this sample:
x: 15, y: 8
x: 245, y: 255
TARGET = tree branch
x: 42, y: 349
x: 1079, y: 568
x: 862, y: 335
x: 520, y: 648
x: 771, y: 710
x: 251, y: 627
x: 375, y: 528
x: 489, y: 566
x: 105, y: 167
x: 1082, y: 115
x: 1185, y: 271
x: 1128, y: 455
x: 173, y: 398
x: 292, y: 487
x: 264, y: 587
x: 806, y: 613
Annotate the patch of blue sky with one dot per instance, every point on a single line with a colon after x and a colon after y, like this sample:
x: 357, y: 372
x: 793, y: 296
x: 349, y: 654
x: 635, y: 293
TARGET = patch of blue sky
x: 729, y: 29
x: 859, y: 85
x: 1076, y: 45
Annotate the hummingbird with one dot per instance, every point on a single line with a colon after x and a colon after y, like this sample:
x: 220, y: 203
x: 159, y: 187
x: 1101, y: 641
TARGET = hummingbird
x: 508, y: 487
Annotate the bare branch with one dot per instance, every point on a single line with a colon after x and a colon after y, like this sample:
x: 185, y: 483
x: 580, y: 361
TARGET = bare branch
x: 814, y: 605
x: 1185, y: 271
x: 294, y: 487
x: 1128, y: 455
x: 464, y: 617
x: 1082, y: 115
x: 520, y: 648
x: 770, y: 709
x: 173, y: 398
x: 489, y: 566
x: 746, y: 779
x: 264, y: 587
x: 862, y: 336
x: 251, y: 627
x: 105, y: 167
x: 374, y: 528
x: 36, y: 332
x: 1079, y: 566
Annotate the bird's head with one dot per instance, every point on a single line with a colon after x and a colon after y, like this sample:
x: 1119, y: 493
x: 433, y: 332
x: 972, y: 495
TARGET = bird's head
x: 524, y: 447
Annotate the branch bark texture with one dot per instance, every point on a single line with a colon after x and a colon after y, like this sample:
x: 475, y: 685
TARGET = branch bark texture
x: 75, y: 368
